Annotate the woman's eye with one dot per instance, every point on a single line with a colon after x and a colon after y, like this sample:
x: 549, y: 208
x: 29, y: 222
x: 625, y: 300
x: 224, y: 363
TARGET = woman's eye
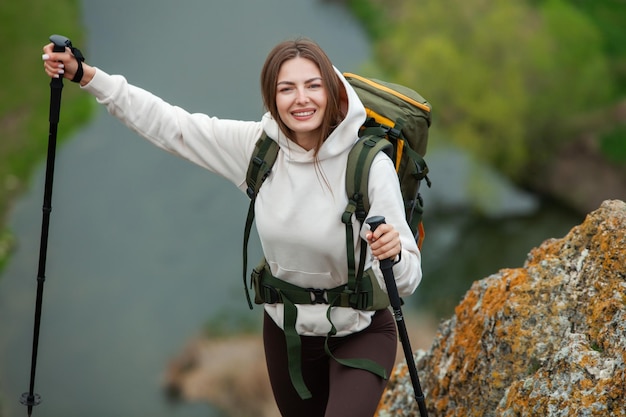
x: 315, y: 86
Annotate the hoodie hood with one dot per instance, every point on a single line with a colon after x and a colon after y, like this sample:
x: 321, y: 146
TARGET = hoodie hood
x: 341, y: 139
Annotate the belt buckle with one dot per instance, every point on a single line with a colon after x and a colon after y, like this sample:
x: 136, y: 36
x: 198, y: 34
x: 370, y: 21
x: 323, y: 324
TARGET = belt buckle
x: 318, y: 296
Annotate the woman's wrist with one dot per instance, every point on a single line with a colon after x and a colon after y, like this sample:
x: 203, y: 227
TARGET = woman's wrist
x: 88, y: 73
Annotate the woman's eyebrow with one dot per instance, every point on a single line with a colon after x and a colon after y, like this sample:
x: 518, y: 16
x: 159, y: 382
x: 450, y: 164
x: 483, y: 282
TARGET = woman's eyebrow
x: 306, y: 82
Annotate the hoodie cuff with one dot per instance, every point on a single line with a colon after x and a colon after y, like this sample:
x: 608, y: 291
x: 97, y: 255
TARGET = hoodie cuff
x: 101, y: 85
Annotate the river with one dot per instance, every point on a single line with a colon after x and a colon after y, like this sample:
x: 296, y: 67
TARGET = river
x: 145, y: 248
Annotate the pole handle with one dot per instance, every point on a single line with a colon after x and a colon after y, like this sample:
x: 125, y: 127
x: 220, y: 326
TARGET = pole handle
x: 60, y: 42
x: 375, y: 221
x: 56, y: 84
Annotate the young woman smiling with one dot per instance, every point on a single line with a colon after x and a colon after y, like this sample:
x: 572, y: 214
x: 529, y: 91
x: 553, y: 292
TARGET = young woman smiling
x: 314, y: 115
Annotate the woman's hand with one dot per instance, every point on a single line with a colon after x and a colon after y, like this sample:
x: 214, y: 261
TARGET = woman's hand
x: 64, y: 64
x: 384, y: 242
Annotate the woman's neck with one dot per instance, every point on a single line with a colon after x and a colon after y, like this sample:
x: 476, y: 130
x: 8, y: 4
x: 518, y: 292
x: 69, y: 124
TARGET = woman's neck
x: 306, y: 140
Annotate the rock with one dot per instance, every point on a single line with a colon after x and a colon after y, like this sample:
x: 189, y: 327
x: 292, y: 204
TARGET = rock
x: 227, y: 372
x: 547, y: 339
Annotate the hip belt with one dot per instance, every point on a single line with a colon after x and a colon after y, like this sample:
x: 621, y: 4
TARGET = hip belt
x: 271, y: 290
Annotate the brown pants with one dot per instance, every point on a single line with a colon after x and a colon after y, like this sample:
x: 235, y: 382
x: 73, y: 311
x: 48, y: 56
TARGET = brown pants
x: 338, y: 391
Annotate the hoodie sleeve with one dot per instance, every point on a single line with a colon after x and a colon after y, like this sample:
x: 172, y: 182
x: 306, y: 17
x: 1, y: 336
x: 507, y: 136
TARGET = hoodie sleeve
x: 220, y: 146
x: 386, y: 200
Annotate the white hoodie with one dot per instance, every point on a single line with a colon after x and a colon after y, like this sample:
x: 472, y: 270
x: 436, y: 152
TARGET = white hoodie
x: 298, y: 218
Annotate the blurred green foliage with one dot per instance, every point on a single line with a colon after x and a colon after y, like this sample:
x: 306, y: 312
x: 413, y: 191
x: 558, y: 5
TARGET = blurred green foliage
x: 25, y: 27
x: 609, y: 17
x: 509, y: 81
x: 613, y: 144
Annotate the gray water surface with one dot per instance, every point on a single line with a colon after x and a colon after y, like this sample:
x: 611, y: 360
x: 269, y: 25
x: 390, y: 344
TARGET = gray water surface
x: 144, y: 247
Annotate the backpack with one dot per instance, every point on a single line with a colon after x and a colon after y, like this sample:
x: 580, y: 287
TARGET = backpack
x: 397, y: 123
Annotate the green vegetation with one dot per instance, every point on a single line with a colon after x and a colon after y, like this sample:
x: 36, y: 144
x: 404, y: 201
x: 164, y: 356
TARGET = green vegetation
x: 613, y: 144
x: 25, y: 27
x: 509, y: 81
x: 608, y: 17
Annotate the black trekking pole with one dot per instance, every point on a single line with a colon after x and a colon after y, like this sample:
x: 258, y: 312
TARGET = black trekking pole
x: 386, y: 266
x: 30, y: 398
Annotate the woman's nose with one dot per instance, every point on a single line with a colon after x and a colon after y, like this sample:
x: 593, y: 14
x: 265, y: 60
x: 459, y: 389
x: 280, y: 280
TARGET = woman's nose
x: 301, y: 96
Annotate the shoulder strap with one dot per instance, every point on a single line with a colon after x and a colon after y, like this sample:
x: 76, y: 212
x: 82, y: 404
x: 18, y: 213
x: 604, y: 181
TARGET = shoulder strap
x: 357, y: 174
x: 259, y: 168
x: 261, y: 162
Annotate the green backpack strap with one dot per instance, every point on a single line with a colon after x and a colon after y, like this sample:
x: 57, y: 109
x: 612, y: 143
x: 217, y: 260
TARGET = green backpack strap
x: 274, y: 290
x: 357, y: 175
x: 259, y: 168
x: 414, y: 205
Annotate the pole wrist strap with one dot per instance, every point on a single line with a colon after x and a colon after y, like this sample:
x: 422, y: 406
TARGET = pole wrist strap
x: 80, y: 59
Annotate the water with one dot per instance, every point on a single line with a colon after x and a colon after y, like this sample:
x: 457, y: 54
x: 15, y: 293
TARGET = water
x: 460, y: 249
x: 144, y: 247
x: 461, y: 246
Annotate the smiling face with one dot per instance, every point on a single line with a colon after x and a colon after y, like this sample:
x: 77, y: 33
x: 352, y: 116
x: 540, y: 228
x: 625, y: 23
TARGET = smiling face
x: 301, y: 67
x: 301, y: 100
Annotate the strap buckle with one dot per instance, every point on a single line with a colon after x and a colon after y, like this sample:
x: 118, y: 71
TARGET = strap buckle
x: 318, y: 295
x: 360, y: 300
x: 270, y: 295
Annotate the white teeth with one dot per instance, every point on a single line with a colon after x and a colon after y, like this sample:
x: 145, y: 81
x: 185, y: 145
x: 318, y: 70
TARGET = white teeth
x: 303, y: 114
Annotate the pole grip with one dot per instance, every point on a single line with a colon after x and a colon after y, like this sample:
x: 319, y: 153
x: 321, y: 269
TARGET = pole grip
x: 375, y: 221
x: 56, y: 84
x: 60, y: 42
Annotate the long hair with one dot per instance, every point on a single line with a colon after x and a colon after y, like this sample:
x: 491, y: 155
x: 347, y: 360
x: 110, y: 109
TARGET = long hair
x: 303, y: 48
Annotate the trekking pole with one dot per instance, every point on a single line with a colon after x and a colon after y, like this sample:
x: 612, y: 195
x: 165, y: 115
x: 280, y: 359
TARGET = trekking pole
x: 386, y: 266
x: 30, y: 398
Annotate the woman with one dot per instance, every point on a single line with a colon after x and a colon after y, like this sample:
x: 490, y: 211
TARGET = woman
x: 314, y: 115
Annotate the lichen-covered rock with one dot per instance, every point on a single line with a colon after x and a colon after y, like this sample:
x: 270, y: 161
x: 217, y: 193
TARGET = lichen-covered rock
x: 547, y: 339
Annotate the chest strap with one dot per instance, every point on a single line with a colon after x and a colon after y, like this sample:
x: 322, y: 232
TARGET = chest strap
x: 271, y: 290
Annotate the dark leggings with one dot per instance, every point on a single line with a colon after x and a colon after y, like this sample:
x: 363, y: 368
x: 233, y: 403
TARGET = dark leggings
x: 338, y: 391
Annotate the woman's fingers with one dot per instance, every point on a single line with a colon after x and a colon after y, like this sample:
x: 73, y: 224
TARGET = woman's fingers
x: 56, y: 64
x: 385, y: 242
x: 53, y: 68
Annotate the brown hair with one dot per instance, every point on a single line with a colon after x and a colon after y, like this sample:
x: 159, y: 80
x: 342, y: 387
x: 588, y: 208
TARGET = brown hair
x: 303, y: 48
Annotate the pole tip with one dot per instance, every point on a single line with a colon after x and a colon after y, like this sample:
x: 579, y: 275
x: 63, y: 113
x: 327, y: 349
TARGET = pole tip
x: 30, y: 400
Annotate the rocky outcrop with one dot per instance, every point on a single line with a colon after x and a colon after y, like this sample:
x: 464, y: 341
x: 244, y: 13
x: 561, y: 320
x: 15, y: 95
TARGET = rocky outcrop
x: 547, y: 339
x: 227, y: 372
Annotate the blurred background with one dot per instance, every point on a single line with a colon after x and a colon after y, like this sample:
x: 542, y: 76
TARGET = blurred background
x: 529, y: 135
